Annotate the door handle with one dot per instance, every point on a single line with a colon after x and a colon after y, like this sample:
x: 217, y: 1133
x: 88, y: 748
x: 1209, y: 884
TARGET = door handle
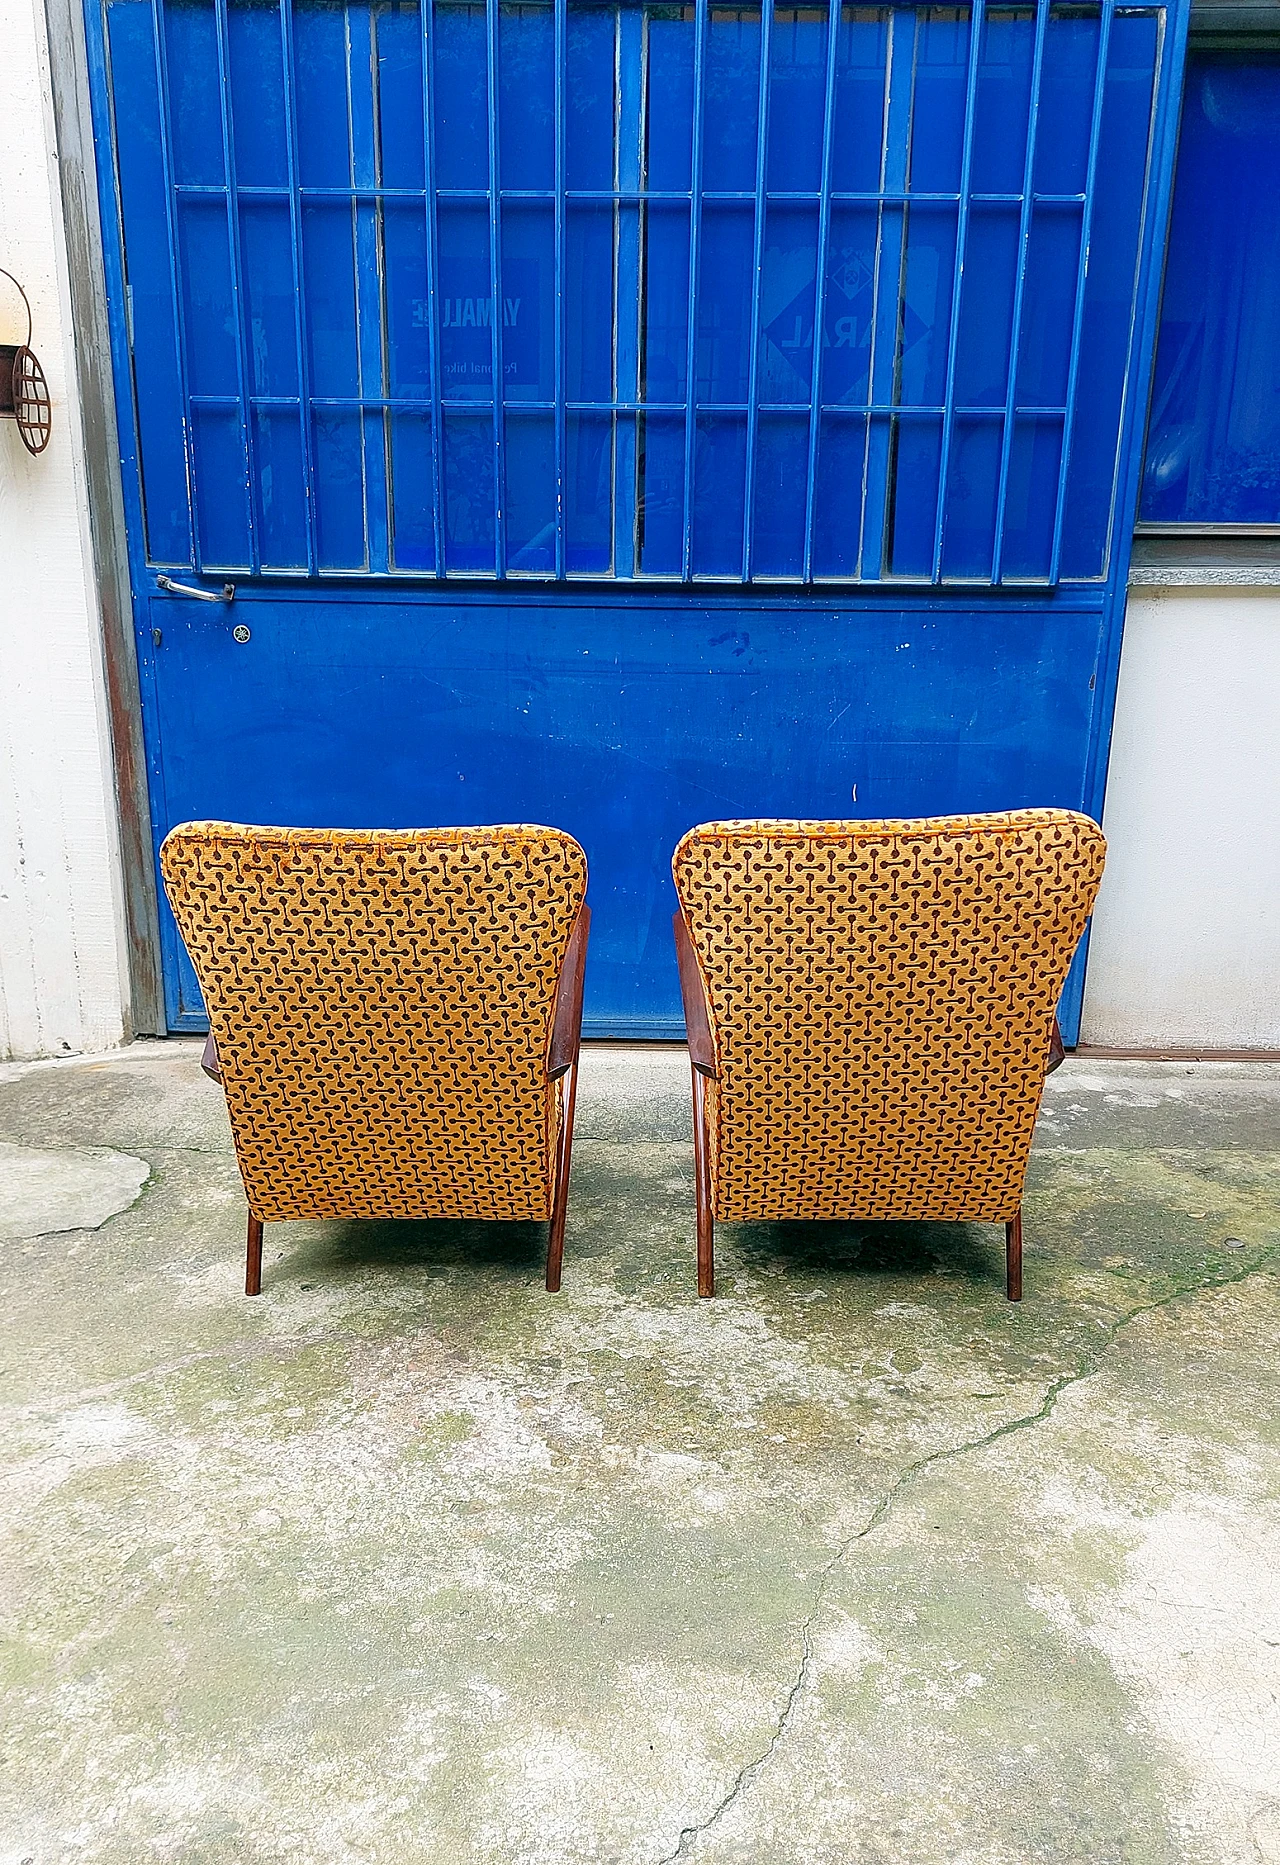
x: 226, y: 594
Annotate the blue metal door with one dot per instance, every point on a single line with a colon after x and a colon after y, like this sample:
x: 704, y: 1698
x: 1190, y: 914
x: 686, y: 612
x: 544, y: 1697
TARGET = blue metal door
x: 620, y: 415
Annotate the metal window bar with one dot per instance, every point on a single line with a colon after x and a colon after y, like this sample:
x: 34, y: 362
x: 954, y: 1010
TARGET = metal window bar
x: 630, y: 176
x: 431, y: 233
x: 1019, y: 294
x: 757, y: 271
x: 1082, y: 273
x: 370, y: 274
x: 820, y: 281
x: 977, y: 26
x: 631, y: 197
x: 695, y: 254
x: 236, y: 254
x: 561, y: 59
x: 495, y: 275
x: 877, y: 501
x: 175, y: 283
x: 301, y: 333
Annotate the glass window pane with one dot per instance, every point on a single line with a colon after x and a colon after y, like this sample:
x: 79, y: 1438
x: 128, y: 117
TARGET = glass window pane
x: 337, y: 451
x: 787, y: 303
x: 589, y: 493
x: 222, y: 515
x: 660, y: 494
x: 1003, y: 99
x: 320, y: 96
x: 465, y: 304
x: 401, y: 130
x: 469, y: 535
x: 589, y: 97
x: 972, y: 493
x: 916, y: 453
x: 413, y: 543
x: 986, y: 308
x: 588, y: 302
x: 255, y: 55
x: 528, y: 303
x: 1048, y: 307
x: 782, y: 467
x: 730, y: 123
x: 527, y: 91
x: 861, y: 73
x: 1066, y: 100
x: 837, y: 517
x: 462, y: 97
x: 531, y: 494
x: 1031, y: 498
x: 281, y: 493
x: 926, y: 305
x: 665, y: 332
x: 1213, y: 449
x: 195, y: 115
x: 669, y: 101
x: 937, y: 116
x: 851, y: 259
x: 209, y: 303
x: 271, y: 302
x: 725, y: 268
x: 328, y: 270
x: 797, y: 93
x: 719, y: 489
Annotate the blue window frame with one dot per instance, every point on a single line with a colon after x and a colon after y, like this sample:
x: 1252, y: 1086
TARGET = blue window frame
x: 799, y: 294
x: 1213, y: 445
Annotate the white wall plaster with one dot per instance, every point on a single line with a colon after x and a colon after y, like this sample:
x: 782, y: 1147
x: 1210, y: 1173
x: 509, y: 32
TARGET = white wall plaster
x: 1185, y: 949
x: 62, y: 948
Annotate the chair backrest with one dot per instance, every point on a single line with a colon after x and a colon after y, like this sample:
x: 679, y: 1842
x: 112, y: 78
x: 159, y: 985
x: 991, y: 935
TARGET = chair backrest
x: 881, y: 999
x: 382, y: 1002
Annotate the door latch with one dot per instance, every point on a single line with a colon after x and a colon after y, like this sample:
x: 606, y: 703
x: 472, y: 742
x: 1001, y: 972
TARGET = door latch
x: 226, y: 594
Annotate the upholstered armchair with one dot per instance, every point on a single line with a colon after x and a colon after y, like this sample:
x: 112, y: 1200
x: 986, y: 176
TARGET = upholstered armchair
x: 871, y: 1010
x: 395, y: 1016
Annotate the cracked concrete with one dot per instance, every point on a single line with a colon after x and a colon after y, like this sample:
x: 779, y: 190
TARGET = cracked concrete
x: 410, y: 1561
x: 47, y: 1188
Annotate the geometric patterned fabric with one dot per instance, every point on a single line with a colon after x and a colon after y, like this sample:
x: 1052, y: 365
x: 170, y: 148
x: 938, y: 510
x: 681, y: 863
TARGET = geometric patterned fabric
x: 382, y: 1003
x: 881, y: 998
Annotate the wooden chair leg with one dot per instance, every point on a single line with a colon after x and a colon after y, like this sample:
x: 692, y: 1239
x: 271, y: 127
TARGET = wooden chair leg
x: 253, y: 1260
x: 560, y: 1196
x: 1013, y: 1258
x: 702, y: 1189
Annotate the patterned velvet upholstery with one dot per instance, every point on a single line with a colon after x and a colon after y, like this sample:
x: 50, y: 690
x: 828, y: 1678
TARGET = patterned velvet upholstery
x: 881, y: 999
x: 382, y: 1002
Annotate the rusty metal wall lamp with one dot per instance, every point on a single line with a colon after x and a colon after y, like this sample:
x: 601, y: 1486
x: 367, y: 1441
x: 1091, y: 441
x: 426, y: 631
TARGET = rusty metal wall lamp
x: 24, y: 393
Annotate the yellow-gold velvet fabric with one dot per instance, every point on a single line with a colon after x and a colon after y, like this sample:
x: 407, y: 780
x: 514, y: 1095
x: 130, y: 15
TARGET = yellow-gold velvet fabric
x: 881, y: 999
x: 382, y: 1003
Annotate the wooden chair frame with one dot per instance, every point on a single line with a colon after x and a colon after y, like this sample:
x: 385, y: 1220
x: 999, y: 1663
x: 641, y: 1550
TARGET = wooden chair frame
x: 702, y: 1065
x: 563, y: 1055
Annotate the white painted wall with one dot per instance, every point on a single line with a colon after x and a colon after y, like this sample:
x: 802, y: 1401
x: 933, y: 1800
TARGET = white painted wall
x: 63, y: 981
x: 1185, y: 951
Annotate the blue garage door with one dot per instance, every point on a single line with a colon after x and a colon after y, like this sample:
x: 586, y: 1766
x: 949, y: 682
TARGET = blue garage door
x: 623, y: 415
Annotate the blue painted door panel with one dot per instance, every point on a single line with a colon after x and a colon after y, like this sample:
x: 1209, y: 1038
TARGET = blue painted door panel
x: 620, y: 415
x: 623, y: 721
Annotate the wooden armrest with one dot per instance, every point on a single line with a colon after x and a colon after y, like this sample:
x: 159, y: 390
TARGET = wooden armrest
x: 1057, y: 1054
x: 566, y: 1031
x: 697, y: 1024
x: 209, y: 1060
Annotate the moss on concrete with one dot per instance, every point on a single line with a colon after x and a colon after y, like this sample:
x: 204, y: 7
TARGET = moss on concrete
x: 408, y: 1561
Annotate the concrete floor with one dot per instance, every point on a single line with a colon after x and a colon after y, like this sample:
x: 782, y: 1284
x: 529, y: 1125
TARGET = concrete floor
x: 855, y: 1565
